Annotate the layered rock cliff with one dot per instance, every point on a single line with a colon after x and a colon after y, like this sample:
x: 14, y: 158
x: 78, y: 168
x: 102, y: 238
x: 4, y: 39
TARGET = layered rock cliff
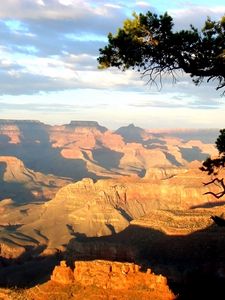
x: 106, y: 207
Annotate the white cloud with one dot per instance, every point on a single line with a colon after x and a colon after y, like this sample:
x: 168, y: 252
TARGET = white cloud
x: 54, y: 9
x: 111, y: 5
x: 195, y: 15
x: 143, y: 4
x: 40, y: 2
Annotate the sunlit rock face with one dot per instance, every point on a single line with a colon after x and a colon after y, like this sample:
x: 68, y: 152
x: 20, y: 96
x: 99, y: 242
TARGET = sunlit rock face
x: 103, y: 208
x: 62, y: 274
x: 94, y: 280
x: 114, y: 278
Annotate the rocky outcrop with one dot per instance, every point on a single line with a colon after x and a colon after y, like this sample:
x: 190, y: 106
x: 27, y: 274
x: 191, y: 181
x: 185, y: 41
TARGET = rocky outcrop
x: 10, y: 252
x: 23, y: 184
x: 62, y: 274
x: 96, y: 280
x: 116, y: 277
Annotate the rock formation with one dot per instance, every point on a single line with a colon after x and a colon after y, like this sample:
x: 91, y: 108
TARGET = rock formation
x: 19, y: 130
x: 99, y: 279
x: 23, y: 184
x: 86, y: 149
x: 113, y: 279
x: 11, y: 251
x: 106, y: 207
x: 62, y: 274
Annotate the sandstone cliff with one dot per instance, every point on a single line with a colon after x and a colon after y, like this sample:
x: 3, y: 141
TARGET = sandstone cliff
x: 102, y: 280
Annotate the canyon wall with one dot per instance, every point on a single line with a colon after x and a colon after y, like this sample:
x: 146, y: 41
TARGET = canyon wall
x: 86, y: 149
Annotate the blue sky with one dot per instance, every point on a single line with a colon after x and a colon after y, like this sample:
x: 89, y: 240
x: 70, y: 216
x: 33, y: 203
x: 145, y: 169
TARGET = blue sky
x: 48, y: 67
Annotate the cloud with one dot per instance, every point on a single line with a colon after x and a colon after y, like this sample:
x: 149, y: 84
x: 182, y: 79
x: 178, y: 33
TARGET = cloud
x: 52, y: 45
x: 36, y: 107
x: 47, y: 27
x: 143, y: 4
x: 30, y: 75
x: 170, y: 100
x: 51, y: 9
x: 46, y: 107
x: 184, y: 94
x: 195, y: 15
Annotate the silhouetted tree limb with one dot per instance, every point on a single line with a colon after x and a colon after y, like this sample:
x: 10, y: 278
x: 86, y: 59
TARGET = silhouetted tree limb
x: 213, y: 167
x: 147, y: 43
x: 219, y: 183
x: 218, y: 220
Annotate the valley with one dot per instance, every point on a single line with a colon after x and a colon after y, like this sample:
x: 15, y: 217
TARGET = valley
x: 81, y: 192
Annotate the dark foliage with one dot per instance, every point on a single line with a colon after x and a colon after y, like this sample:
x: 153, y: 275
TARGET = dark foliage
x: 218, y: 220
x: 148, y: 44
x: 213, y: 166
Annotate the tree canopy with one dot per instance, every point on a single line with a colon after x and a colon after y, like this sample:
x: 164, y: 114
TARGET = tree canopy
x: 147, y: 43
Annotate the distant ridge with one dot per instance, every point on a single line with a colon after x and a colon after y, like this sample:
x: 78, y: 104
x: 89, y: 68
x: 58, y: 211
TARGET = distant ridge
x: 131, y: 133
x: 89, y: 124
x: 172, y: 130
x: 14, y: 121
x: 206, y: 135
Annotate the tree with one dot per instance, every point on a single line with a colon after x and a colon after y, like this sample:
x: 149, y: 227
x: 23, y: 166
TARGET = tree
x: 148, y: 44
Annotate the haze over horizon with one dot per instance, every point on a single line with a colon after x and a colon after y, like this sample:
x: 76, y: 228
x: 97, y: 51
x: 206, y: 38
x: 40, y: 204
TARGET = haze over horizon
x: 49, y: 70
x: 126, y: 125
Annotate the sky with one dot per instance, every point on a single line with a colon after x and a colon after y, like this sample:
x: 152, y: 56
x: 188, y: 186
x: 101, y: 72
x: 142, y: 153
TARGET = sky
x: 48, y: 66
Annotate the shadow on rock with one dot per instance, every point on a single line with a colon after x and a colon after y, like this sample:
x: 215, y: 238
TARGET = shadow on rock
x: 194, y: 264
x: 28, y: 269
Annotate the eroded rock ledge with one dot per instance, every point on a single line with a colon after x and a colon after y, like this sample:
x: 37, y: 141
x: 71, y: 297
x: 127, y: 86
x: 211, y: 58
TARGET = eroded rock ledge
x: 114, y: 277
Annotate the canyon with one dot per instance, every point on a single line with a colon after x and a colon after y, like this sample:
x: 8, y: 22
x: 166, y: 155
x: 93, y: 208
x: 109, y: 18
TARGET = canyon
x: 81, y: 192
x: 86, y: 149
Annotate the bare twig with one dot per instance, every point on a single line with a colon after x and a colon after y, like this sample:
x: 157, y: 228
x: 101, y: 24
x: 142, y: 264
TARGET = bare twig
x: 217, y: 182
